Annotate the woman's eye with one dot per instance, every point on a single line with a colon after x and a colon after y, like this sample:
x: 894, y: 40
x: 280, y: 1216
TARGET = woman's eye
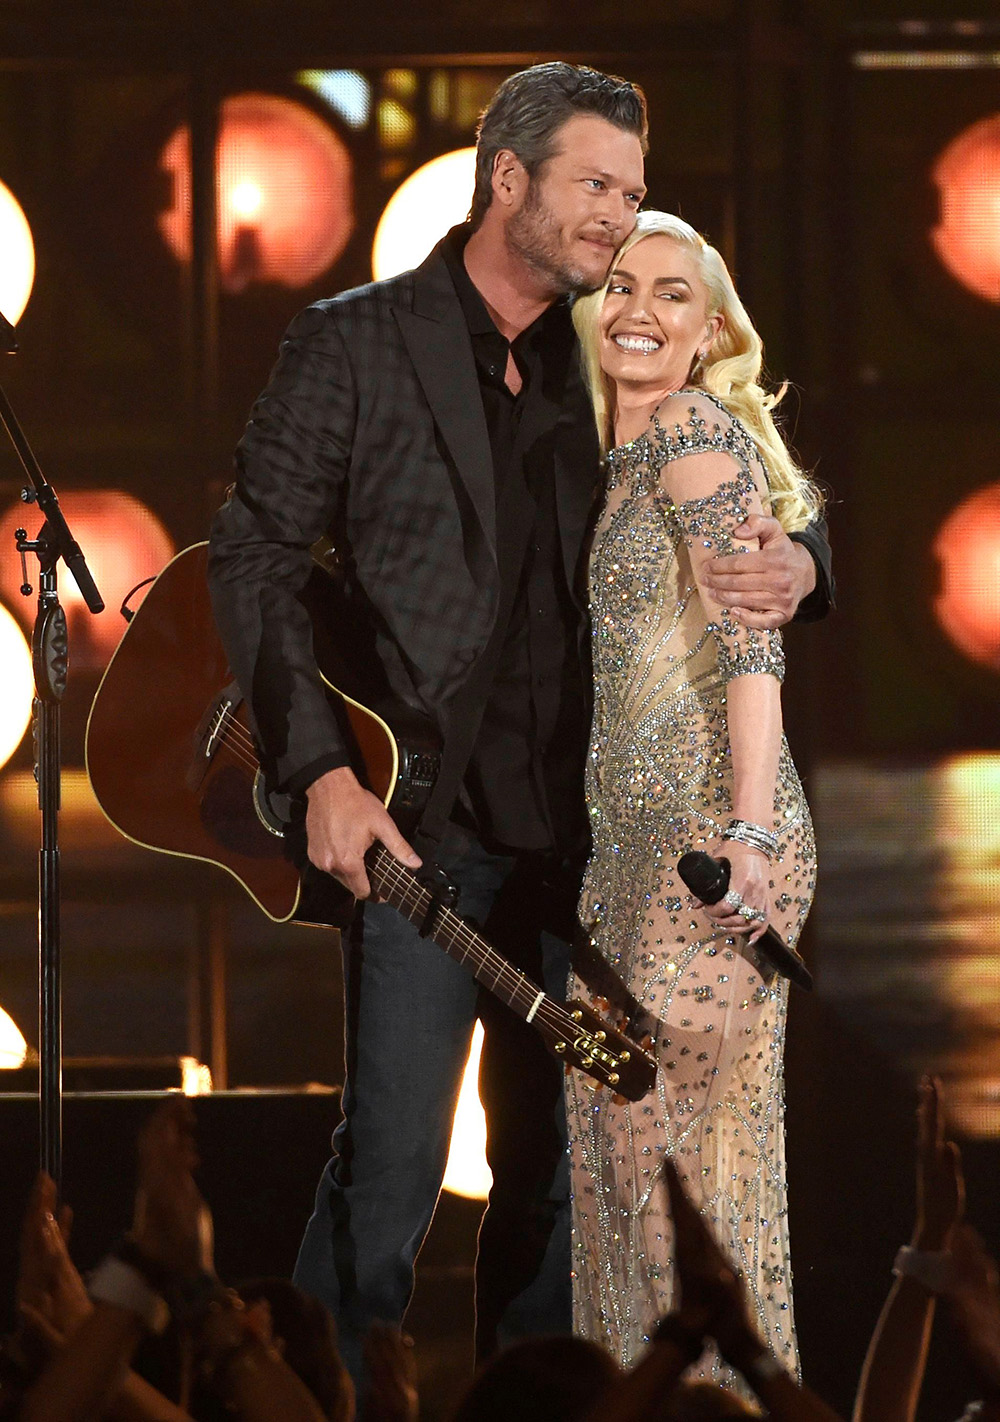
x: 619, y: 288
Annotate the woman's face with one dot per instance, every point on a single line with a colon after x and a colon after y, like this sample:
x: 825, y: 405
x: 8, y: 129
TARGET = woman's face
x: 654, y: 321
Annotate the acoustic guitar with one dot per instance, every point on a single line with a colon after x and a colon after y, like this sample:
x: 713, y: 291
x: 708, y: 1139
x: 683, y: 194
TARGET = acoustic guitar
x: 173, y: 763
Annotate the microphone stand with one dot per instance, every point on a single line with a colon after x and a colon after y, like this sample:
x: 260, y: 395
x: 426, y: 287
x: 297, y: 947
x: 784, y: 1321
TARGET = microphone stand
x: 50, y: 664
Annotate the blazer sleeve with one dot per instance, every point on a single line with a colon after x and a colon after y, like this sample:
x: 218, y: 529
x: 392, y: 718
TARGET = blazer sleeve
x: 822, y: 598
x: 291, y: 469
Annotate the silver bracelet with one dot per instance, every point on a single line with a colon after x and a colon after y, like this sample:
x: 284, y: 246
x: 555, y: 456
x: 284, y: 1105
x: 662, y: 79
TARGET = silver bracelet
x: 753, y: 836
x: 115, y: 1282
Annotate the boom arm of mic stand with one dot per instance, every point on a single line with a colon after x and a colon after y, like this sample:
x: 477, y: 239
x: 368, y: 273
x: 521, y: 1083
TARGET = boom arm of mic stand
x: 65, y: 545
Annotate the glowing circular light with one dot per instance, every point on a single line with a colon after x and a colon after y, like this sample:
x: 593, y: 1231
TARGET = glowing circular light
x: 467, y: 1172
x: 285, y: 200
x: 421, y: 210
x: 17, y: 257
x: 123, y: 542
x: 247, y: 199
x: 967, y: 237
x: 13, y: 1047
x: 968, y: 549
x: 17, y: 685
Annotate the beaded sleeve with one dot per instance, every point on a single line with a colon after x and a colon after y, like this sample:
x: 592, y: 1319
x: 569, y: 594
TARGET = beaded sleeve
x: 707, y: 525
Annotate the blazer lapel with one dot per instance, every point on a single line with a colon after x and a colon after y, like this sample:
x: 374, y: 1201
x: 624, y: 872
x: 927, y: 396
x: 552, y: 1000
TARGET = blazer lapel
x: 438, y: 342
x: 577, y: 476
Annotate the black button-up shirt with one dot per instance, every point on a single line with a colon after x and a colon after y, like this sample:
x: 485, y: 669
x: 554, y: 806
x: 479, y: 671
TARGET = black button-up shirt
x: 524, y: 781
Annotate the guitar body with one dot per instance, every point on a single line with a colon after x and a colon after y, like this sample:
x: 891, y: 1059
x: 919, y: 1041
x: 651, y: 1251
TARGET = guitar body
x: 173, y: 764
x: 149, y: 730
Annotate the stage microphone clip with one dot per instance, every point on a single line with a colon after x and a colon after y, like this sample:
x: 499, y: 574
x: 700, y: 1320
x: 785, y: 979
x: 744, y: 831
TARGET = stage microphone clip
x: 708, y: 880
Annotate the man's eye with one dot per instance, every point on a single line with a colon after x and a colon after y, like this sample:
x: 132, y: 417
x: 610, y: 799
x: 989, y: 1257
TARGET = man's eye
x: 595, y: 182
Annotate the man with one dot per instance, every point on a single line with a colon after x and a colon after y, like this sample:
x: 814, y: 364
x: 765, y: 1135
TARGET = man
x: 438, y: 424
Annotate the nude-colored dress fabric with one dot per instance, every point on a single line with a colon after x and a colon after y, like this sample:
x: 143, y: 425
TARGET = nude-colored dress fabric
x: 659, y: 783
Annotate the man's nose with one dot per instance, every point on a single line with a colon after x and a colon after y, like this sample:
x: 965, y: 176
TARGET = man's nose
x: 613, y: 210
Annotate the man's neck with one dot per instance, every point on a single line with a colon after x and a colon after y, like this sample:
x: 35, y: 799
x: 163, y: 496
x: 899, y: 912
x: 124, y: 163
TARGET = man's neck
x: 515, y: 294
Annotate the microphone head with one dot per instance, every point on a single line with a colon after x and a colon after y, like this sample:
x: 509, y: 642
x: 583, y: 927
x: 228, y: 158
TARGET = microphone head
x: 707, y: 878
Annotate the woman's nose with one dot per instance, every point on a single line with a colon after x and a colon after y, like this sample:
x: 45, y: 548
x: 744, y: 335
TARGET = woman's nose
x: 637, y: 306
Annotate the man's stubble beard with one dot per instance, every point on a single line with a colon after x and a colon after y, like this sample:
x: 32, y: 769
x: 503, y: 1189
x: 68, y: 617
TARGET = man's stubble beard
x: 532, y: 236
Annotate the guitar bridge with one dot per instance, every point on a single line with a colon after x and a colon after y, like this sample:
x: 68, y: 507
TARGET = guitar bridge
x: 211, y: 729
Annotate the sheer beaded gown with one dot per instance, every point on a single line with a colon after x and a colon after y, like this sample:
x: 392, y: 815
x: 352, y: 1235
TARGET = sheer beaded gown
x: 659, y: 782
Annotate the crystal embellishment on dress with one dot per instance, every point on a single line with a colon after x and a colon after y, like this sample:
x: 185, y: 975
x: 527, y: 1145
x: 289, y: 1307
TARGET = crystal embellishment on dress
x: 659, y: 782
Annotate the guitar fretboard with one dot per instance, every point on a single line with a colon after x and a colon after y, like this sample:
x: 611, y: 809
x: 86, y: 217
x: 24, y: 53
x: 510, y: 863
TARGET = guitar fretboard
x: 395, y: 883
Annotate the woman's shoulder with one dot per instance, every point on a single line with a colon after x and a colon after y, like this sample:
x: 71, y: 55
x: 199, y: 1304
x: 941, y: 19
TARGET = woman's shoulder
x: 691, y: 421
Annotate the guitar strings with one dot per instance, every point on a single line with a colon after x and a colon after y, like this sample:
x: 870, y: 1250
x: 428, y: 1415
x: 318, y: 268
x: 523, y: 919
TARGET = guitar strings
x: 405, y: 885
x: 473, y: 944
x: 412, y: 894
x: 231, y: 724
x: 237, y: 751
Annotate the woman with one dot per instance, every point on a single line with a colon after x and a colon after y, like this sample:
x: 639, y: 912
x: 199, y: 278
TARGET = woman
x: 686, y: 752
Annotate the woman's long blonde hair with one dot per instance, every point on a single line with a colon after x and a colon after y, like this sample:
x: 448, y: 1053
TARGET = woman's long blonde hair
x: 731, y: 372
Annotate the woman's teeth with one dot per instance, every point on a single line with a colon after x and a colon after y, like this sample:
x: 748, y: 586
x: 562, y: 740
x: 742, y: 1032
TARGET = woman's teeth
x: 642, y: 345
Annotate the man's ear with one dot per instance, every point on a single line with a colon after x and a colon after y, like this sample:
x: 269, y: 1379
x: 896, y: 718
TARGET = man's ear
x: 510, y: 179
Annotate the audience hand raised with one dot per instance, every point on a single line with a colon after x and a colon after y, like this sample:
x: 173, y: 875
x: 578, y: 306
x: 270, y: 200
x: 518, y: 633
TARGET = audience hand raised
x: 172, y: 1224
x: 940, y: 1184
x: 392, y: 1376
x: 51, y: 1297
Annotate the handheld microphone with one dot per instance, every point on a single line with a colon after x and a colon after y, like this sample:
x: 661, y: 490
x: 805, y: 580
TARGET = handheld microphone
x: 708, y: 880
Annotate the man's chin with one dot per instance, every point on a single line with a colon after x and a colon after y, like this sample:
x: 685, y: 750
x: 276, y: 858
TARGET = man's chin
x: 592, y: 275
x: 580, y: 280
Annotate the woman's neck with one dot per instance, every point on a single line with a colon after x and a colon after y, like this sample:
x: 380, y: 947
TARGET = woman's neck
x: 635, y: 407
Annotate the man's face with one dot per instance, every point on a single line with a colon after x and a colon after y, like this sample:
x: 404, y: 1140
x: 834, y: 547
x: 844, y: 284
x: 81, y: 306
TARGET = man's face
x: 580, y: 206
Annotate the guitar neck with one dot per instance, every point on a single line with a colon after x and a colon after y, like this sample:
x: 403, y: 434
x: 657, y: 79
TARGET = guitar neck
x: 395, y: 883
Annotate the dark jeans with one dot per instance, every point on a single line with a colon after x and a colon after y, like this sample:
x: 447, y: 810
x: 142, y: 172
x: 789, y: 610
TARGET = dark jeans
x: 410, y: 1011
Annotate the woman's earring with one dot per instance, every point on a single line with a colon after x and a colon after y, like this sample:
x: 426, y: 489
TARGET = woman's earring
x: 698, y: 369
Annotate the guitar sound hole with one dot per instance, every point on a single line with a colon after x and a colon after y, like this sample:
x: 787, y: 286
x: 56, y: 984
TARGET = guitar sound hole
x: 223, y: 814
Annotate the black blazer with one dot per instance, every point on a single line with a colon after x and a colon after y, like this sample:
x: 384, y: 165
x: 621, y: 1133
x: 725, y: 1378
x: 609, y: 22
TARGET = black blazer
x: 371, y: 431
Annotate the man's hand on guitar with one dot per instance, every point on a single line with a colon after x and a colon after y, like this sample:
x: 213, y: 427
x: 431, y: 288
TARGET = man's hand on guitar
x: 343, y: 821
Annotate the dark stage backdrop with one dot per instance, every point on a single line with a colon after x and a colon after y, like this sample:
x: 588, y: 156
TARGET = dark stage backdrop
x: 840, y: 158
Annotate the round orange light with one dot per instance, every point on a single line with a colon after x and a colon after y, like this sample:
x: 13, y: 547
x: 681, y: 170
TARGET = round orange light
x: 967, y: 237
x: 17, y: 685
x: 284, y: 193
x: 123, y: 542
x: 968, y: 549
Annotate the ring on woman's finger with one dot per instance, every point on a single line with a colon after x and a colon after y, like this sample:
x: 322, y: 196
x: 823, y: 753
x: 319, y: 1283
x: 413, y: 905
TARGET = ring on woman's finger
x: 753, y: 915
x: 732, y: 898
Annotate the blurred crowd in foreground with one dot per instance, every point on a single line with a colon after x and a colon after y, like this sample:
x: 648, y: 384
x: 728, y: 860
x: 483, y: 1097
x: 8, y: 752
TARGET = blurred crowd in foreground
x: 153, y: 1334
